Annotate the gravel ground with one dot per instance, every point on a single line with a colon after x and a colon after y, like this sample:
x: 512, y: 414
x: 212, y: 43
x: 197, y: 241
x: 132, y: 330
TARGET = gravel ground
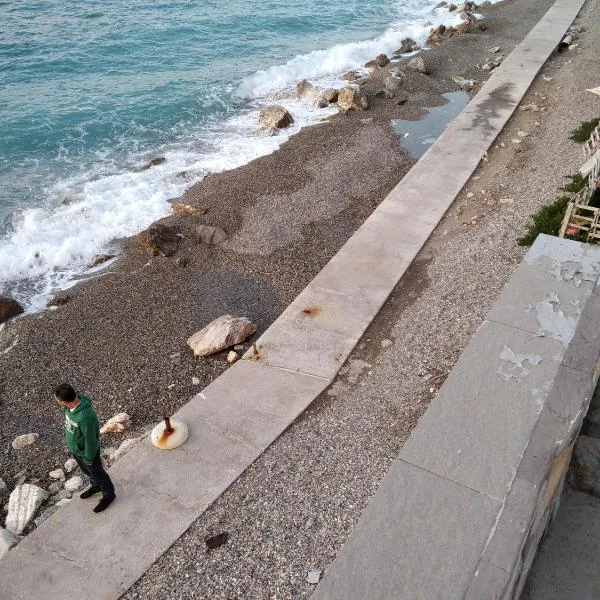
x: 293, y: 509
x: 121, y: 337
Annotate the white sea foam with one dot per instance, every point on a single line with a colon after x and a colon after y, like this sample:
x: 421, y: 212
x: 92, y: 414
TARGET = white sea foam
x: 50, y: 246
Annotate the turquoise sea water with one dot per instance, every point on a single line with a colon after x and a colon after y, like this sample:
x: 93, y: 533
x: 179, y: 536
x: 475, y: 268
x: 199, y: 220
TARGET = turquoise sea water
x: 90, y: 90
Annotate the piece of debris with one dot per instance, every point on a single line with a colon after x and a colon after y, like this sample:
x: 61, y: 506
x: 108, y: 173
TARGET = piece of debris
x: 216, y: 541
x: 210, y: 235
x: 99, y: 259
x: 23, y: 503
x: 116, y: 424
x: 195, y: 380
x: 507, y: 200
x: 73, y: 484
x: 222, y: 333
x: 516, y: 141
x: 25, y: 440
x: 546, y: 78
x: 313, y: 577
x: 70, y: 465
x: 531, y: 107
x: 232, y: 357
x: 57, y: 474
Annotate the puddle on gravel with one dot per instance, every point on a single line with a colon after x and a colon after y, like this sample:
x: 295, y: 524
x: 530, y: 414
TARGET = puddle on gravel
x: 422, y: 133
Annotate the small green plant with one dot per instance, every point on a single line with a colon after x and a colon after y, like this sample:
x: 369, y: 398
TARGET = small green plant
x: 576, y: 183
x: 583, y: 132
x: 547, y: 220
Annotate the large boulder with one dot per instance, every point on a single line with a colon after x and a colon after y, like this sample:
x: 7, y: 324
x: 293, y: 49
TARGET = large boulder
x: 317, y: 96
x: 9, y: 308
x: 23, y: 503
x: 222, y: 333
x: 417, y: 64
x: 350, y: 98
x: 160, y: 240
x: 275, y: 117
x: 207, y: 234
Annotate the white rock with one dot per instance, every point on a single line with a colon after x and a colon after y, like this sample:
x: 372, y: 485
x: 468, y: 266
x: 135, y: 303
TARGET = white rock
x: 522, y: 134
x: 546, y: 78
x: 116, y: 424
x: 495, y: 49
x: 70, y: 465
x: 313, y: 577
x: 23, y: 503
x: 232, y: 357
x: 57, y: 474
x: 124, y: 448
x: 7, y: 541
x: 195, y: 380
x: 386, y: 343
x: 63, y: 502
x: 73, y: 484
x: 470, y: 194
x: 22, y: 441
x: 224, y: 332
x: 507, y: 200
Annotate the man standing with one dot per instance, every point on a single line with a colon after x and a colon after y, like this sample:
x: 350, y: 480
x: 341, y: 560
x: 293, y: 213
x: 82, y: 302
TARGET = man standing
x: 82, y: 435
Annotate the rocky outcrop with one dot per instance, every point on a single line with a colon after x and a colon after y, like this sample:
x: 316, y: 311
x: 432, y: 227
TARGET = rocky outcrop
x: 222, y: 333
x: 9, y: 308
x: 23, y: 503
x: 116, y: 424
x: 207, y: 234
x: 160, y: 240
x: 417, y: 64
x: 275, y: 117
x: 27, y: 439
x: 350, y: 98
x: 379, y: 61
x: 408, y: 45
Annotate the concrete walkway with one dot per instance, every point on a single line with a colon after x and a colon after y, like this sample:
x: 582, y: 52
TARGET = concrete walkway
x: 235, y: 418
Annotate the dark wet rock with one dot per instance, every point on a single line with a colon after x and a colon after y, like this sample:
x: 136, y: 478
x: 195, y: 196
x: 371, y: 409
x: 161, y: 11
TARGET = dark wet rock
x: 9, y: 308
x: 160, y: 240
x: 408, y: 45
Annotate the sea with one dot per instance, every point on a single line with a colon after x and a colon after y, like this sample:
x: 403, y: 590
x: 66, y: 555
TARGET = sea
x: 90, y: 91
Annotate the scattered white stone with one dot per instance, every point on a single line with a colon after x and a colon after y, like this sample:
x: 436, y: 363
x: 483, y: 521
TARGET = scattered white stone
x: 516, y: 141
x: 124, y: 448
x: 232, y: 357
x: 63, y: 502
x: 313, y: 577
x: 7, y: 541
x: 70, y: 465
x: 57, y: 474
x: 108, y: 452
x: 22, y: 441
x: 73, y: 484
x: 116, y: 424
x: 470, y: 194
x: 195, y: 380
x: 23, y: 503
x: 522, y: 134
x: 224, y: 332
x: 573, y: 46
x: 531, y: 107
x: 546, y: 78
x: 386, y: 343
x: 507, y: 200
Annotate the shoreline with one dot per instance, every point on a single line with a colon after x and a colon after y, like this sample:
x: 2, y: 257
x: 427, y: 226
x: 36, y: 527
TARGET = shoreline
x: 287, y: 213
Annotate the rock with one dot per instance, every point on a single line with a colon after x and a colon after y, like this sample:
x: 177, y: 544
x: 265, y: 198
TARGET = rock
x: 9, y: 308
x: 304, y: 88
x: 22, y: 441
x: 224, y: 332
x: 59, y: 301
x: 313, y: 577
x: 275, y: 117
x: 70, y: 465
x: 408, y: 45
x: 495, y: 49
x: 195, y: 380
x: 116, y: 424
x: 63, y: 494
x: 207, y: 234
x: 379, y: 61
x: 215, y: 541
x: 99, y: 259
x: 436, y: 35
x: 160, y: 240
x: 331, y: 95
x: 352, y: 99
x: 63, y: 502
x: 125, y: 446
x: 531, y: 107
x: 159, y: 160
x: 57, y: 474
x: 55, y: 487
x: 23, y: 503
x: 7, y: 541
x: 350, y: 76
x: 507, y: 200
x: 386, y: 343
x: 73, y: 484
x: 179, y: 208
x: 587, y: 464
x: 232, y: 357
x: 465, y: 84
x: 417, y: 64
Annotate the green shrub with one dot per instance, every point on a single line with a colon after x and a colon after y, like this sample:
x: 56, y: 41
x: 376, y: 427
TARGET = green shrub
x: 576, y: 183
x: 547, y: 220
x: 583, y: 132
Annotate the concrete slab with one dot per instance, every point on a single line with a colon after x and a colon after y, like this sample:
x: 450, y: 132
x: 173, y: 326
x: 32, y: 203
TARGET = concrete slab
x: 477, y: 428
x: 405, y: 547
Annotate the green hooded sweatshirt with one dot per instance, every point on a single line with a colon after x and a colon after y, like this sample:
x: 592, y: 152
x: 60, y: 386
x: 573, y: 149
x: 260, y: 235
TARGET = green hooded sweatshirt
x: 82, y: 431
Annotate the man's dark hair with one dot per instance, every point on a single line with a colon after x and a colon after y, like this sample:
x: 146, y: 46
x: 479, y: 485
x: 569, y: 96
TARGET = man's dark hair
x: 65, y: 392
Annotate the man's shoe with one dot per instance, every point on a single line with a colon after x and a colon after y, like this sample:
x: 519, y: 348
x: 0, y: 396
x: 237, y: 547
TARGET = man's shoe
x: 95, y: 489
x: 103, y: 504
